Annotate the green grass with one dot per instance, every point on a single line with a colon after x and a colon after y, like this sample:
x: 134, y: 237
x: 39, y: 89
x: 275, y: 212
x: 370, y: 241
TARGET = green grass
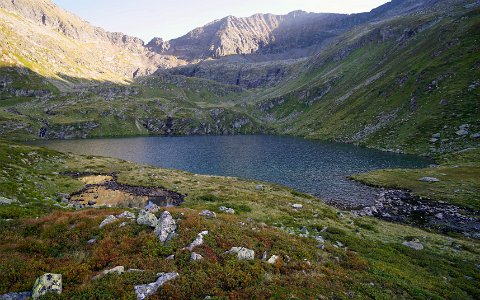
x: 374, y: 265
x: 459, y: 176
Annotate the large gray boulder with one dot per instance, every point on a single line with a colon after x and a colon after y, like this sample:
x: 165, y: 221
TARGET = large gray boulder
x: 147, y: 218
x: 166, y: 227
x: 47, y: 283
x: 242, y: 253
x: 145, y: 290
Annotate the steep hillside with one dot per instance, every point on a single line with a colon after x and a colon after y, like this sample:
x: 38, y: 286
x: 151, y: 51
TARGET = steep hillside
x: 40, y: 36
x: 407, y: 84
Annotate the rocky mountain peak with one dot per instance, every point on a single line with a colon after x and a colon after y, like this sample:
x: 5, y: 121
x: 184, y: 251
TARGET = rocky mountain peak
x: 158, y: 45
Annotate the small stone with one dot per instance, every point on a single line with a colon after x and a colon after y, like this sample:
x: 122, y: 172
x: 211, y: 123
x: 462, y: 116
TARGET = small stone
x: 198, y: 241
x: 439, y: 216
x: 126, y: 215
x: 6, y: 201
x: 152, y: 207
x: 117, y: 270
x: 47, y: 283
x: 135, y: 271
x: 145, y: 290
x: 108, y: 220
x: 64, y: 198
x: 259, y: 187
x: 272, y: 260
x: 433, y: 140
x: 461, y: 132
x: 208, y: 214
x: 304, y: 231
x: 413, y: 244
x: 297, y: 206
x: 429, y: 179
x: 264, y: 255
x: 16, y: 296
x: 166, y: 226
x: 242, y: 253
x: 92, y: 241
x: 195, y: 256
x: 436, y: 135
x: 475, y: 136
x: 123, y: 224
x: 319, y: 239
x: 170, y: 257
x: 147, y: 218
x: 226, y: 210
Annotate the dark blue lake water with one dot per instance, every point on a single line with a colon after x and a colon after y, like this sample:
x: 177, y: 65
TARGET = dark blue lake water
x: 314, y: 167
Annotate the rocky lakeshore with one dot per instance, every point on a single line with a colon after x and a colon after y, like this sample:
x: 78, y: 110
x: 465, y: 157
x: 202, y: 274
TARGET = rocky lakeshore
x: 403, y: 207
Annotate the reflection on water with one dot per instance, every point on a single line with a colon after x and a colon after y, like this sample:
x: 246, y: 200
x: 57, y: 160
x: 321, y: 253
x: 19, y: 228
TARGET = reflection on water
x: 315, y: 167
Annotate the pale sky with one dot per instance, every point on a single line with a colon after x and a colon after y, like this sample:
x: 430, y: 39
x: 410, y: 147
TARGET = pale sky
x: 173, y: 18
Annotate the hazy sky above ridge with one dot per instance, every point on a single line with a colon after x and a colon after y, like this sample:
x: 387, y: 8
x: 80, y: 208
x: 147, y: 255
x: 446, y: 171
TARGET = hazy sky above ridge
x: 173, y: 18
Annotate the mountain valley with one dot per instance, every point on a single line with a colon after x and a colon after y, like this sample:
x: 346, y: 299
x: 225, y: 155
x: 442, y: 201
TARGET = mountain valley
x: 402, y: 78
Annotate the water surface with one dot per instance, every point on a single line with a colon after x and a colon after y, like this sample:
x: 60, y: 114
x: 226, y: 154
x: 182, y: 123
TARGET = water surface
x: 315, y: 167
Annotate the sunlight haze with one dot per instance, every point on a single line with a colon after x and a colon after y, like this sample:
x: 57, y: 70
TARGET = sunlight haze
x: 171, y: 19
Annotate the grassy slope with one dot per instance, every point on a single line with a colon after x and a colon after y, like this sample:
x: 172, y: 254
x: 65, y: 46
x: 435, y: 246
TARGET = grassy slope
x: 385, y: 78
x: 56, y: 242
x: 59, y: 58
x: 189, y: 104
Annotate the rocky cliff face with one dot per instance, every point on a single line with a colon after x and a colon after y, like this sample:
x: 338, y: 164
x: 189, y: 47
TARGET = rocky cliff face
x: 258, y: 34
x: 240, y: 73
x: 297, y: 34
